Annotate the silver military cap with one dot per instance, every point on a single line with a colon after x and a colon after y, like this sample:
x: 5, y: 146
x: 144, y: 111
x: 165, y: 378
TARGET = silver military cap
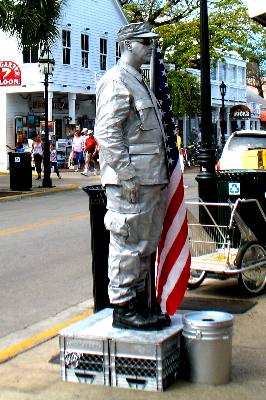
x: 135, y: 30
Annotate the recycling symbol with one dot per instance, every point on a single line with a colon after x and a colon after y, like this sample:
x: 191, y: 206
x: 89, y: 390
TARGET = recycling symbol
x: 234, y: 188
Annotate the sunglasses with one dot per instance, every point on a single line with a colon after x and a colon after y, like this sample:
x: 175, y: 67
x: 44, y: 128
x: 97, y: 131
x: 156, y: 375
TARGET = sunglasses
x: 144, y: 41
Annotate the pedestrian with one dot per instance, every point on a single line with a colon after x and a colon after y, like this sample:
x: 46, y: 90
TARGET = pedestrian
x: 89, y: 151
x: 37, y: 151
x: 180, y: 149
x: 78, y: 151
x: 53, y: 160
x: 129, y: 132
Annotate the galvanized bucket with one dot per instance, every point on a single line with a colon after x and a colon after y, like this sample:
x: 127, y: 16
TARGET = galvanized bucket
x: 208, y: 346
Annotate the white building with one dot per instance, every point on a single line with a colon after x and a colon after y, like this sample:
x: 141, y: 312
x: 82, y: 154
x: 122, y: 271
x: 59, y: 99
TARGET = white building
x: 85, y: 49
x: 231, y: 71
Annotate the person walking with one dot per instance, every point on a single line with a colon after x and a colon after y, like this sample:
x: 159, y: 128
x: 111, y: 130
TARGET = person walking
x: 37, y: 151
x: 53, y: 160
x: 130, y: 134
x: 77, y: 150
x: 89, y: 150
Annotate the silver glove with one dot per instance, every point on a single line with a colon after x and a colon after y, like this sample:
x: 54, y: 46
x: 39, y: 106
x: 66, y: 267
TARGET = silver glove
x: 130, y: 190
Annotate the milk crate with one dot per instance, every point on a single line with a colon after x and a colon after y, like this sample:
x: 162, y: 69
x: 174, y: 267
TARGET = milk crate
x: 93, y: 352
x: 146, y: 360
x: 84, y: 353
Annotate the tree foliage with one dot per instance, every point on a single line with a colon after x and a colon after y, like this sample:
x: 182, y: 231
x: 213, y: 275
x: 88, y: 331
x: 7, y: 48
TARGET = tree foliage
x: 185, y: 93
x: 33, y: 22
x: 230, y: 28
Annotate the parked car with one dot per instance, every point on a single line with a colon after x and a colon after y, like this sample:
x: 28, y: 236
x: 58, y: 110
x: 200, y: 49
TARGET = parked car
x: 244, y: 149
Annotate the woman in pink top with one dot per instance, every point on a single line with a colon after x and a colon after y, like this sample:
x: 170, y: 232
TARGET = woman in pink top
x: 78, y: 151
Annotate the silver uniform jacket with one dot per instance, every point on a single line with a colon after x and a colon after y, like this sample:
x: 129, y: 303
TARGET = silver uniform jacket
x: 128, y: 129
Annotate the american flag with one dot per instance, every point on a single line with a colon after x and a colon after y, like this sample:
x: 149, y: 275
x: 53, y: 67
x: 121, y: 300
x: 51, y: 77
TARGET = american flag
x: 173, y: 255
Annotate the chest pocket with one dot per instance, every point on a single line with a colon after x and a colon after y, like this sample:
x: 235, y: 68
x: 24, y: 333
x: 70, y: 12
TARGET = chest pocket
x: 147, y: 114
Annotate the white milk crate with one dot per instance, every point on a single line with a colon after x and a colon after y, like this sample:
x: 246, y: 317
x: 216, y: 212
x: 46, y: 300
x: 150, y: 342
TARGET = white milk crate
x: 84, y: 351
x: 93, y: 352
x: 146, y: 360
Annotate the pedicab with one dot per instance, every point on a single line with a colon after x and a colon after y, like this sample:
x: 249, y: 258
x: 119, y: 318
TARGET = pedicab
x: 235, y: 248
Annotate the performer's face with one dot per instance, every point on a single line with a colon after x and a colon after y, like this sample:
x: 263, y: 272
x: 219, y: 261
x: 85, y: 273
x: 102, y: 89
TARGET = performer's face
x: 142, y: 49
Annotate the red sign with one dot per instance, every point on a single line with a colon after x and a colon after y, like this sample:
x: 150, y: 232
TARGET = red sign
x: 10, y: 74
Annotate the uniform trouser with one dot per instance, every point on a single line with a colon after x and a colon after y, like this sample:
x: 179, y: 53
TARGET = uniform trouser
x: 134, y: 234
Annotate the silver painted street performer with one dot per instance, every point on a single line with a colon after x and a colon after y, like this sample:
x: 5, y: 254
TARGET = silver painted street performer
x: 129, y: 132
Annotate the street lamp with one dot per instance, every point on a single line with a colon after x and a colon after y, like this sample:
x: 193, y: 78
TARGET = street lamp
x: 46, y: 66
x: 223, y: 122
x: 207, y: 187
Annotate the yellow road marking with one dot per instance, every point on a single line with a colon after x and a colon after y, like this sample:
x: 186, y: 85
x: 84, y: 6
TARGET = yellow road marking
x: 18, y: 229
x: 27, y: 344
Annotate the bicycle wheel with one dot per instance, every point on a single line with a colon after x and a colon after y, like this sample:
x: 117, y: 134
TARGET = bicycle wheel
x: 253, y: 281
x: 196, y: 278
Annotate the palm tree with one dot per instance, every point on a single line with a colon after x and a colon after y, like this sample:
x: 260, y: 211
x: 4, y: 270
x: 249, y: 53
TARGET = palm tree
x: 33, y: 22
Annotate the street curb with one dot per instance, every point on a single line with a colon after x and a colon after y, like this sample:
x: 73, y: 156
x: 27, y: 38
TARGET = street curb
x: 27, y: 344
x: 44, y: 191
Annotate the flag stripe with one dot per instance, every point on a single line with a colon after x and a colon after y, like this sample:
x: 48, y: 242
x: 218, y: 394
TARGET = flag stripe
x: 173, y: 254
x: 173, y: 257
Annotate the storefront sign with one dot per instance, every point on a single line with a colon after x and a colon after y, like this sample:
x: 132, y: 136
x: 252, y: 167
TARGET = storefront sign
x: 10, y: 74
x: 240, y: 112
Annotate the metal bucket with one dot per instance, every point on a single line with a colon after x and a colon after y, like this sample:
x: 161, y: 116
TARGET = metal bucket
x: 208, y: 346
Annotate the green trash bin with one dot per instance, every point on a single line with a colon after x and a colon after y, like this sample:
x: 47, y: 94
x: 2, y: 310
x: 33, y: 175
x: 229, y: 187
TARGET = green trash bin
x: 249, y: 184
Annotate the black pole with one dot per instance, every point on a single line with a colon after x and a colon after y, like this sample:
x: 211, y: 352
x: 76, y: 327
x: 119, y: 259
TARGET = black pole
x: 47, y: 182
x: 206, y: 179
x: 223, y: 123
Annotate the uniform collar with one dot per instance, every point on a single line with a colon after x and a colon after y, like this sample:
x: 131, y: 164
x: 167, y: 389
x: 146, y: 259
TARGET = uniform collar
x: 130, y: 70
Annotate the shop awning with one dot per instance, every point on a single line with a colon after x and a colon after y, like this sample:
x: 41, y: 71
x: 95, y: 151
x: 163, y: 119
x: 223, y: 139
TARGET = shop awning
x: 240, y: 111
x: 263, y: 116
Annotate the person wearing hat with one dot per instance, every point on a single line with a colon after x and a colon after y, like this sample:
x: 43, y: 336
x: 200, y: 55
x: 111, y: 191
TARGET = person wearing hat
x: 89, y: 149
x: 129, y: 132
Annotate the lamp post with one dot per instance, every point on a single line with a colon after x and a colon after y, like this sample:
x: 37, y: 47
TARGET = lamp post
x: 223, y: 122
x: 207, y: 186
x: 46, y: 66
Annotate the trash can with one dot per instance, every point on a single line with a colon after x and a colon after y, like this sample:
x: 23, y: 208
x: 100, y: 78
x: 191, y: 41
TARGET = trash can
x: 20, y: 171
x: 248, y: 184
x: 100, y: 238
x: 208, y: 346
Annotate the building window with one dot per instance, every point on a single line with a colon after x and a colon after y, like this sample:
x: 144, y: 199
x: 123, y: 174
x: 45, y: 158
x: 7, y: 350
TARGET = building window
x: 222, y: 72
x: 103, y: 54
x: 66, y: 46
x: 117, y: 52
x: 30, y: 54
x: 214, y: 73
x: 84, y: 50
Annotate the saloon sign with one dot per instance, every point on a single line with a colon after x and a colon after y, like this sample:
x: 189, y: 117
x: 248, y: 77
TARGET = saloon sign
x: 240, y: 112
x: 10, y: 74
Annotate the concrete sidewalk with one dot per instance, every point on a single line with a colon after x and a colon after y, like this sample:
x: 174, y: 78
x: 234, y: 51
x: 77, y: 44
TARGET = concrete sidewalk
x: 70, y: 181
x: 32, y: 375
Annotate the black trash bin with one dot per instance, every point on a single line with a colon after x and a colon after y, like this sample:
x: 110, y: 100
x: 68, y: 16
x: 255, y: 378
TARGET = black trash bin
x: 20, y: 171
x: 249, y: 184
x: 100, y: 238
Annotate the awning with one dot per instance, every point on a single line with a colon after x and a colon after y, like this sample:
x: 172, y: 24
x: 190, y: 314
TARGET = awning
x: 257, y: 10
x: 240, y: 111
x: 263, y: 116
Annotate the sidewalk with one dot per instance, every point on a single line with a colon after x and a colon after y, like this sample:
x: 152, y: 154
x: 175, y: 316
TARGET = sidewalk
x: 32, y: 375
x: 70, y: 181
